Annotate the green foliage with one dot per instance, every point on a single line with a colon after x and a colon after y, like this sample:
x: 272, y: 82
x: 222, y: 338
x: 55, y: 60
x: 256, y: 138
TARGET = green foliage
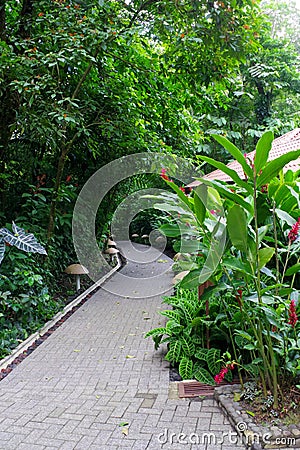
x: 250, y: 277
x: 184, y: 332
x: 20, y: 239
x: 25, y: 301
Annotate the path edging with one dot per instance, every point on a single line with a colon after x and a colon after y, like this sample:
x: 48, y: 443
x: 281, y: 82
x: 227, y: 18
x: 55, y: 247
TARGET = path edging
x: 5, y: 362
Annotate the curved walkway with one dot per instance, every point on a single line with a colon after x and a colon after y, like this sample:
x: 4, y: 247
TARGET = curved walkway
x: 97, y: 384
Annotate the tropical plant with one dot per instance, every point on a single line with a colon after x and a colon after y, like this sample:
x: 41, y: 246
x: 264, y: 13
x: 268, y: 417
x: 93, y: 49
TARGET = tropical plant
x: 20, y: 239
x: 251, y: 245
x: 184, y: 333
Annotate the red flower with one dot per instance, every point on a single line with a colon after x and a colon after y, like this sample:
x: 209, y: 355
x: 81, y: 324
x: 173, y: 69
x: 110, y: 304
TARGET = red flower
x: 220, y: 376
x: 68, y: 179
x: 293, y: 318
x: 239, y: 296
x: 293, y: 234
x: 164, y: 175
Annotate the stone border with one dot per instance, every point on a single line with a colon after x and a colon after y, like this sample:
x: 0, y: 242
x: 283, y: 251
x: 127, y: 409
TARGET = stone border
x: 256, y: 437
x: 26, y: 347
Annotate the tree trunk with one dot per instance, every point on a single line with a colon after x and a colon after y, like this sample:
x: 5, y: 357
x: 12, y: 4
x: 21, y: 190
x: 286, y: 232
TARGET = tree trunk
x: 59, y: 174
x: 25, y: 19
x: 2, y: 21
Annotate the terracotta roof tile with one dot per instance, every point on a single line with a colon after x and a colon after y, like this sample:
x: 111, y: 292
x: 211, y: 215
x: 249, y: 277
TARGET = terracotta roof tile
x: 281, y: 145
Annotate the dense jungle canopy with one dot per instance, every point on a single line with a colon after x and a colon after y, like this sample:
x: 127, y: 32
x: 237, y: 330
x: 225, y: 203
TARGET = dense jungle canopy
x: 84, y: 82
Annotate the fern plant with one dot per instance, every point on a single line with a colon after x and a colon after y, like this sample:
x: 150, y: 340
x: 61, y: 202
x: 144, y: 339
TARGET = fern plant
x: 184, y: 332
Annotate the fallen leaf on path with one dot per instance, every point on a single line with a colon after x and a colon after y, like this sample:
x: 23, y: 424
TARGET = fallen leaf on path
x: 123, y: 424
x: 76, y: 350
x: 162, y: 260
x: 236, y: 397
x: 125, y: 431
x: 130, y: 356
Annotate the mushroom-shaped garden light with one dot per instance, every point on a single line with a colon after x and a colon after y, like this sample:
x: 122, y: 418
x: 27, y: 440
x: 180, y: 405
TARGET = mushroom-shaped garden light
x: 112, y: 252
x: 111, y: 243
x: 76, y: 269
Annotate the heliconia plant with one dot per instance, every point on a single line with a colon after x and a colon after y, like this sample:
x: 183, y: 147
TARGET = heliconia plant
x: 245, y: 241
x: 20, y: 239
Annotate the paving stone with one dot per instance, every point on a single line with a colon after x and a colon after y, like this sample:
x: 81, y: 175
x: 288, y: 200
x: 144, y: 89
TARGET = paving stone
x: 76, y: 388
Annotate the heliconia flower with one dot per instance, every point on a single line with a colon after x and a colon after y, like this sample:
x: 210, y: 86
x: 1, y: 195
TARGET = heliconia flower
x: 220, y: 376
x: 293, y: 318
x: 164, y: 175
x: 293, y: 234
x: 239, y: 296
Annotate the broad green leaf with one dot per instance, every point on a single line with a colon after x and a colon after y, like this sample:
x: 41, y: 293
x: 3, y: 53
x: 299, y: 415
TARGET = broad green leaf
x: 283, y: 215
x: 199, y: 205
x: 191, y: 280
x: 179, y: 192
x: 293, y: 269
x: 170, y: 230
x: 188, y: 346
x: 23, y: 241
x: 230, y: 172
x: 249, y: 347
x: 187, y: 246
x: 213, y: 360
x: 263, y: 148
x: 244, y: 335
x: 264, y: 256
x: 236, y: 153
x: 204, y: 376
x: 227, y: 193
x: 2, y: 249
x: 201, y: 354
x: 262, y: 231
x: 273, y: 168
x: 174, y: 353
x: 238, y: 265
x: 199, y: 276
x: 186, y: 369
x: 236, y: 396
x: 197, y: 322
x: 171, y: 314
x: 237, y: 228
x: 229, y: 377
x: 156, y: 332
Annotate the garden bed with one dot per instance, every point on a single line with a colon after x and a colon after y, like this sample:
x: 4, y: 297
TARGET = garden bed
x: 276, y: 435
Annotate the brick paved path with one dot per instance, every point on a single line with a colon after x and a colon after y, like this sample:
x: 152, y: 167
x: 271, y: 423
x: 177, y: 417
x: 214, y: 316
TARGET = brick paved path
x: 96, y: 372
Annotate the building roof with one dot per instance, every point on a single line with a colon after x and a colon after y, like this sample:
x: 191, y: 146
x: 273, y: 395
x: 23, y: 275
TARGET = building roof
x: 281, y: 145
